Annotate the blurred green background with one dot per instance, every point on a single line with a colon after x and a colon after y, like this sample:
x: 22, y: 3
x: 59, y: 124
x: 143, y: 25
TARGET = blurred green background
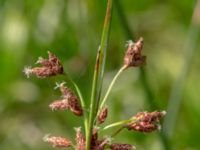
x: 72, y: 29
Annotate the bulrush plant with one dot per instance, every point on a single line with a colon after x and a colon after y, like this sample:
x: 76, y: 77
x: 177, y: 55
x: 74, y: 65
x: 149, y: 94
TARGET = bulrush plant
x: 96, y: 113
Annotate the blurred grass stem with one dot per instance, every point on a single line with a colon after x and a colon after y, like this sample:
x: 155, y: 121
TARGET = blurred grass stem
x: 178, y: 87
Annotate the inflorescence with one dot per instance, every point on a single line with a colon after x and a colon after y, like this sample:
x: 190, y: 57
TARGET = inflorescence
x: 142, y: 122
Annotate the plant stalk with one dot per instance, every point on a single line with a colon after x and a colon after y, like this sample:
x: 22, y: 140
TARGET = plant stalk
x: 123, y: 122
x: 98, y: 73
x: 83, y: 106
x: 111, y: 86
x: 117, y: 132
x: 85, y: 114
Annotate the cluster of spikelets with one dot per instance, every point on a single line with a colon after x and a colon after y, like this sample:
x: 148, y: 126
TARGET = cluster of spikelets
x: 142, y: 122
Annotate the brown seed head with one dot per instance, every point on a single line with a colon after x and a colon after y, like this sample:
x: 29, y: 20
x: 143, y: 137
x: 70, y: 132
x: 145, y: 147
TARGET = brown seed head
x: 146, y: 122
x: 133, y: 56
x: 121, y: 147
x: 80, y: 140
x: 97, y: 144
x: 103, y: 115
x: 66, y: 92
x: 100, y: 144
x: 59, y: 105
x: 72, y: 99
x: 95, y: 134
x: 55, y: 63
x: 49, y: 67
x: 57, y: 141
x: 75, y: 107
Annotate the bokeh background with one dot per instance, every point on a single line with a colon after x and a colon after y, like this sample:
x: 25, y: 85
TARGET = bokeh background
x: 72, y: 29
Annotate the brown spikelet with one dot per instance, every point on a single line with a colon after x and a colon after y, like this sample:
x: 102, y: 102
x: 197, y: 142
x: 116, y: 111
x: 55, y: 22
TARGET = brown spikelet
x: 56, y: 141
x: 80, y: 140
x: 95, y: 134
x: 133, y: 56
x: 99, y: 144
x: 42, y: 72
x: 66, y: 92
x: 59, y: 105
x: 75, y: 106
x: 146, y: 122
x: 121, y: 147
x: 49, y: 67
x: 102, y: 115
x: 72, y: 99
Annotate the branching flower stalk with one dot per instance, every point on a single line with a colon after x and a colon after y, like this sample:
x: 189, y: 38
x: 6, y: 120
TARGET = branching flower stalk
x: 96, y: 113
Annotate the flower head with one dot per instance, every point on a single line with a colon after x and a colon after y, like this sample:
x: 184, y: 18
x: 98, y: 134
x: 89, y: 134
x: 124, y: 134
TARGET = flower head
x: 57, y: 141
x: 133, y: 56
x: 80, y: 139
x: 102, y: 115
x: 100, y: 144
x: 69, y: 101
x: 59, y: 105
x: 146, y: 122
x: 49, y: 67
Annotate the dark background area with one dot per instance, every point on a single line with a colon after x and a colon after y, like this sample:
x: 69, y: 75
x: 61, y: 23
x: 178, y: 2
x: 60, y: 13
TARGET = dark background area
x: 72, y: 30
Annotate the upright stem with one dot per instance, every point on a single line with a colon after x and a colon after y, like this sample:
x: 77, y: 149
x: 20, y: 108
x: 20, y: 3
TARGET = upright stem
x: 103, y: 48
x: 177, y: 89
x: 83, y: 106
x: 98, y: 73
x: 110, y: 86
x: 85, y: 114
x: 92, y: 105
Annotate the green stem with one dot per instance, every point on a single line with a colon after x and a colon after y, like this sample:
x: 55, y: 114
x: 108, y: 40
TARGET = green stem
x: 116, y: 132
x: 92, y: 105
x: 103, y: 49
x: 83, y: 106
x: 98, y: 73
x: 81, y: 100
x: 123, y: 122
x: 111, y: 86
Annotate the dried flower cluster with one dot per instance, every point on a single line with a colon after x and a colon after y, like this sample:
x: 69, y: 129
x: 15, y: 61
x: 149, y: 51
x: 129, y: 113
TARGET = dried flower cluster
x: 102, y: 115
x: 57, y: 141
x: 133, y: 56
x: 95, y: 143
x: 80, y: 140
x: 98, y: 144
x: 146, y: 122
x: 142, y: 121
x: 69, y: 101
x: 50, y: 67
